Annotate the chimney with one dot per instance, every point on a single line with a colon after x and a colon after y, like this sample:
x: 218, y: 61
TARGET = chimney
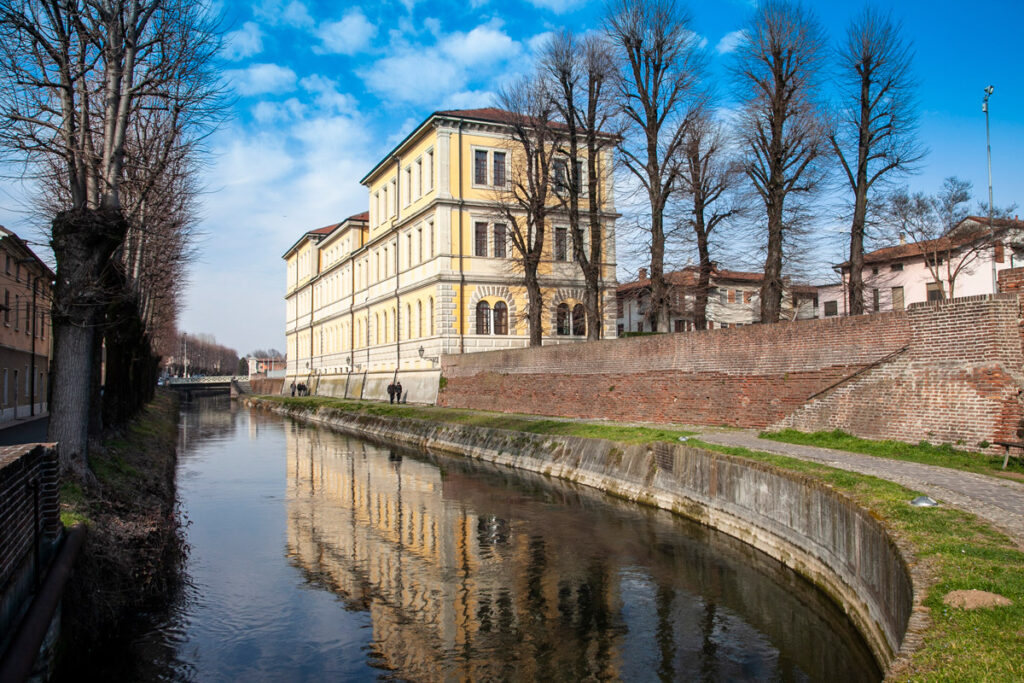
x: 642, y: 275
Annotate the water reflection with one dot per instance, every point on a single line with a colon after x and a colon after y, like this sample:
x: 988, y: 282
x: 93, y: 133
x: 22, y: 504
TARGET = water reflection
x: 470, y: 572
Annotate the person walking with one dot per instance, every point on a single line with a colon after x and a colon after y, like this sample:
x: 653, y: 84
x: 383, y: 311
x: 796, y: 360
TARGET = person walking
x: 398, y: 392
x: 391, y: 393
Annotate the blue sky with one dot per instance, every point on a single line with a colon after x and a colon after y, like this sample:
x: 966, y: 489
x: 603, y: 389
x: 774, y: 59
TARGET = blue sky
x: 324, y: 89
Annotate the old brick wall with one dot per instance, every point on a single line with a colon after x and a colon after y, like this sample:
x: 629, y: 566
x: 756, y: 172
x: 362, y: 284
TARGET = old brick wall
x: 944, y: 371
x: 20, y: 468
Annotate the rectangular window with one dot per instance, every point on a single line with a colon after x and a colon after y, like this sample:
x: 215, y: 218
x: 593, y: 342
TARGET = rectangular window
x: 481, y: 240
x: 480, y: 167
x: 561, y: 251
x: 499, y: 169
x: 499, y: 240
x: 875, y: 303
x: 558, y: 173
x: 679, y: 325
x: 897, y: 298
x: 28, y: 318
x: 408, y: 250
x: 17, y: 313
x: 578, y: 178
x: 831, y: 308
x: 7, y: 307
x: 723, y: 296
x: 896, y: 267
x: 934, y: 289
x: 429, y: 170
x: 407, y: 189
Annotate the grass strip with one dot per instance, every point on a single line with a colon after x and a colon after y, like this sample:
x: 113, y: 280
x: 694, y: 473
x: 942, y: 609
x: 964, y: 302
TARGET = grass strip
x: 944, y: 455
x: 489, y: 420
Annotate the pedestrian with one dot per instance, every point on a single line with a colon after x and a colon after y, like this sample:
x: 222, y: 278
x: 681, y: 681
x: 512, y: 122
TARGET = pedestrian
x: 391, y: 393
x: 398, y: 392
x: 293, y: 389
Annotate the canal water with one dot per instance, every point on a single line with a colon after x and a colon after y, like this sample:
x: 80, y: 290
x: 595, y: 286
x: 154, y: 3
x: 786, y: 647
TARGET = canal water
x: 321, y: 557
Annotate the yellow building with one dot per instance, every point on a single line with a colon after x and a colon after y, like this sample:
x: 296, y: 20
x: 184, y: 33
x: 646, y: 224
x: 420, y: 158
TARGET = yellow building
x: 430, y: 269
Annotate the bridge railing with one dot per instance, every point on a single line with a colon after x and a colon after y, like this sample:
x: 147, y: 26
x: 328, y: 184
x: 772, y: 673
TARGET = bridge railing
x: 206, y: 379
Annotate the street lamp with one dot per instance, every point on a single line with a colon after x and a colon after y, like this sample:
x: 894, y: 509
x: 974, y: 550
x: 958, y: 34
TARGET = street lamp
x: 991, y: 227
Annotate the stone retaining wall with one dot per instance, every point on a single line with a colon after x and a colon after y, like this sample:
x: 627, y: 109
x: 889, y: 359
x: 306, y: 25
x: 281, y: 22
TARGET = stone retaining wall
x: 806, y: 525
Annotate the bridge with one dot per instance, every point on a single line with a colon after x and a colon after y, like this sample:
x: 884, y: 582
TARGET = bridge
x: 209, y: 385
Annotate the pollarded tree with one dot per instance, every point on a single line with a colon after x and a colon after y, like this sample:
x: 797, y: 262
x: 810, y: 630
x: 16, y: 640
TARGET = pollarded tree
x: 525, y: 199
x: 74, y: 77
x: 582, y: 74
x: 874, y: 135
x: 781, y: 127
x: 659, y: 88
x: 710, y: 177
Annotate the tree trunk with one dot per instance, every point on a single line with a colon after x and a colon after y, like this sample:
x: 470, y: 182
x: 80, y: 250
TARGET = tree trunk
x: 771, y: 289
x: 83, y: 242
x: 536, y: 299
x: 659, y: 288
x: 700, y: 302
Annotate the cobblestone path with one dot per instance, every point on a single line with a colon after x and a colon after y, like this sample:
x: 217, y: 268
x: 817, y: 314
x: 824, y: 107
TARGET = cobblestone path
x: 999, y: 501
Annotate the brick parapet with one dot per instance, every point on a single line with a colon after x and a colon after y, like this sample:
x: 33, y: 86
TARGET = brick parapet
x: 22, y: 467
x: 944, y: 371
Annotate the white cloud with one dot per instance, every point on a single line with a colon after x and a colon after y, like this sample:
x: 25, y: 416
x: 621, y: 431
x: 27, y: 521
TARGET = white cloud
x: 700, y: 41
x: 245, y: 42
x: 730, y: 41
x: 328, y: 97
x: 468, y: 99
x: 347, y: 36
x: 276, y: 12
x: 260, y: 79
x: 557, y: 6
x: 426, y: 75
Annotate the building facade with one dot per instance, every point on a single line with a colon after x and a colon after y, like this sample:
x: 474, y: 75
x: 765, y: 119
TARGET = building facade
x: 734, y: 300
x: 962, y: 263
x: 25, y: 333
x: 430, y: 269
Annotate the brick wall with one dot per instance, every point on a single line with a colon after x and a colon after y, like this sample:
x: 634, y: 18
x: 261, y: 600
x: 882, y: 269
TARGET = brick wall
x: 21, y: 466
x: 944, y: 371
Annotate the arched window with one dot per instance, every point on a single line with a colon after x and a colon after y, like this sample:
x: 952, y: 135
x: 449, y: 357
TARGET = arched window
x: 430, y: 312
x: 394, y: 321
x: 579, y: 320
x: 377, y: 324
x: 483, y: 318
x: 419, y: 319
x: 563, y: 324
x: 500, y: 318
x: 408, y: 321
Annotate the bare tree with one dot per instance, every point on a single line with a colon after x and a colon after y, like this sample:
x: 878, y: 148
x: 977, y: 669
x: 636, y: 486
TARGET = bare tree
x: 874, y: 137
x: 659, y: 75
x: 74, y: 77
x: 582, y: 75
x: 929, y: 221
x: 709, y: 178
x: 781, y: 127
x: 525, y: 200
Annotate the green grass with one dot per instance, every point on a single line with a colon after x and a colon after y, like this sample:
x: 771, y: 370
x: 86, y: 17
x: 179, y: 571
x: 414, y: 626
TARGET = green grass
x: 476, y: 418
x: 944, y: 455
x: 960, y: 552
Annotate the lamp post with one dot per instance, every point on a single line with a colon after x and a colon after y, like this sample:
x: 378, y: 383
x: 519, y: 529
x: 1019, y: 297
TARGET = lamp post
x: 991, y: 227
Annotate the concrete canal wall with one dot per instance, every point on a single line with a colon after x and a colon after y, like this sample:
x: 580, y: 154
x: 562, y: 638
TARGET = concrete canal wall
x: 804, y: 524
x: 943, y: 372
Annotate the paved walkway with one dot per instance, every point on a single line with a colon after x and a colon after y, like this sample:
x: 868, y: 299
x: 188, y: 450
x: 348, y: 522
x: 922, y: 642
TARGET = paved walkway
x: 999, y: 501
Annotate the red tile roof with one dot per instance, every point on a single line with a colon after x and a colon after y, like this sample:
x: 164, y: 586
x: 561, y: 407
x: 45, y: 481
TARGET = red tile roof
x: 687, y: 277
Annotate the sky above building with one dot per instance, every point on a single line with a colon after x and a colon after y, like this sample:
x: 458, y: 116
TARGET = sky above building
x: 322, y: 90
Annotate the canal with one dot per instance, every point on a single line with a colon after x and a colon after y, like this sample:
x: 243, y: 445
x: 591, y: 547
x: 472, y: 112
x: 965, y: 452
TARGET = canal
x: 319, y: 556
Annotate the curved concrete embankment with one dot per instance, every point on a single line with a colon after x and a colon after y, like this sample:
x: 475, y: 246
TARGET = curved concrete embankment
x: 808, y: 526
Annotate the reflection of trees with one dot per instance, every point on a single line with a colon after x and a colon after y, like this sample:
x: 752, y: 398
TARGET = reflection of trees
x: 468, y: 575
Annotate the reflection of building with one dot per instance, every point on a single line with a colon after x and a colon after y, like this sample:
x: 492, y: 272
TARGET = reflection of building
x: 466, y: 577
x: 734, y: 299
x: 451, y: 594
x: 911, y: 272
x: 431, y: 268
x: 25, y: 334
